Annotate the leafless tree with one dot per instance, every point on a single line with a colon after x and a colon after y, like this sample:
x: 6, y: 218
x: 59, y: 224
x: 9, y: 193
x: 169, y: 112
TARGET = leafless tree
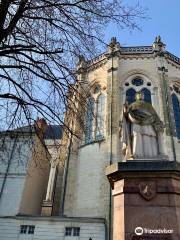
x: 40, y: 41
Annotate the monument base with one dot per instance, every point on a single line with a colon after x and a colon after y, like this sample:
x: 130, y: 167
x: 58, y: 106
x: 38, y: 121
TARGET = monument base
x: 146, y: 200
x: 47, y: 207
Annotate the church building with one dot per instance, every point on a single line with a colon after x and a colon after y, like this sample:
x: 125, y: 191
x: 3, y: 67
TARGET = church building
x: 123, y: 160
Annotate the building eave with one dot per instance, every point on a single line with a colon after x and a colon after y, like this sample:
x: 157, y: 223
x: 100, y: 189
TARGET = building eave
x: 55, y: 218
x: 134, y: 51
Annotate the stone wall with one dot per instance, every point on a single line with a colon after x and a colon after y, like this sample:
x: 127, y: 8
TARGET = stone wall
x: 84, y: 194
x: 15, y: 154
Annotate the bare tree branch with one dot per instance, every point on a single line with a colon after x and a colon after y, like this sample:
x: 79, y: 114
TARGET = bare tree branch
x: 40, y: 41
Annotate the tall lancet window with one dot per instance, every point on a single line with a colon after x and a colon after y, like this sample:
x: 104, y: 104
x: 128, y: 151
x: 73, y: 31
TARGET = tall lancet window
x: 100, y: 117
x: 147, y: 95
x: 176, y: 108
x: 130, y: 95
x: 89, y: 121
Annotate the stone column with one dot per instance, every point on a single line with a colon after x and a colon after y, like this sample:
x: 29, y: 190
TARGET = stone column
x: 52, y: 174
x: 48, y: 202
x: 146, y: 200
x: 113, y: 98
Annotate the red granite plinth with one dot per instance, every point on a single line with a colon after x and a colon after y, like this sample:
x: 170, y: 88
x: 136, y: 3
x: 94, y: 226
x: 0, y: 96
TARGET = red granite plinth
x: 146, y: 201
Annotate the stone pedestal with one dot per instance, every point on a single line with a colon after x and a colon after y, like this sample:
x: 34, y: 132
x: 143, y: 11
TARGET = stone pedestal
x: 47, y: 207
x: 146, y: 200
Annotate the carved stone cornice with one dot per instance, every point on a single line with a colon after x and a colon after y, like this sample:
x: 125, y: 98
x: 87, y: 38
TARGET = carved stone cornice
x: 96, y: 65
x: 131, y: 53
x: 146, y: 168
x: 136, y: 50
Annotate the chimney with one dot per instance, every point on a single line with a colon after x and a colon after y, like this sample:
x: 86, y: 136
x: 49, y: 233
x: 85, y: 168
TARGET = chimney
x: 40, y: 126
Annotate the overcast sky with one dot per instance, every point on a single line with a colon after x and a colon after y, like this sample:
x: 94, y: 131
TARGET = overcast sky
x: 164, y: 20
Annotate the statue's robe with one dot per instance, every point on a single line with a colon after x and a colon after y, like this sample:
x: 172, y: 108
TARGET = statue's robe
x: 141, y: 131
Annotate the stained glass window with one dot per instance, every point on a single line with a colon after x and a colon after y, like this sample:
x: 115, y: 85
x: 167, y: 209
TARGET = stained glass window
x: 130, y: 95
x: 100, y: 117
x: 89, y: 121
x: 147, y: 95
x: 137, y: 81
x: 176, y: 108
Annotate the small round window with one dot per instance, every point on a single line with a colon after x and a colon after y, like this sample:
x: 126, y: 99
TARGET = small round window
x: 137, y: 82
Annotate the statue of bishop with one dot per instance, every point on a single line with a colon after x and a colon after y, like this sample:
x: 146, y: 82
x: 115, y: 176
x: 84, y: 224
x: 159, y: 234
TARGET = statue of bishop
x: 141, y: 130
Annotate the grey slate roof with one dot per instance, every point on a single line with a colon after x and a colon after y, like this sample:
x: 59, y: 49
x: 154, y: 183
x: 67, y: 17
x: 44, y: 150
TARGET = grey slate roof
x: 53, y: 132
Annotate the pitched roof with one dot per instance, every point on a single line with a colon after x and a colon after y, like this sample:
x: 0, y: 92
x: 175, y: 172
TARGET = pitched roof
x: 53, y: 132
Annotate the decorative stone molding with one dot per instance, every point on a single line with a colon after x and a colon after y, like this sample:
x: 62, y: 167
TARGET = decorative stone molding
x: 141, y: 72
x: 172, y: 57
x: 137, y: 52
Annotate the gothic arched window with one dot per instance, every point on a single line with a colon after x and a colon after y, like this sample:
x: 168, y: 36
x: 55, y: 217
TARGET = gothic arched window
x: 137, y: 84
x: 89, y: 121
x: 100, y: 117
x: 147, y: 95
x: 176, y: 108
x: 130, y: 95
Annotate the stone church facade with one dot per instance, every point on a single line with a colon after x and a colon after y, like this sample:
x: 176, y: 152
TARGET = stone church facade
x: 78, y: 201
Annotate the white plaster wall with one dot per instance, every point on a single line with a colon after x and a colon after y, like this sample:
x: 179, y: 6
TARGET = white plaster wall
x: 92, y: 196
x: 20, y: 155
x: 14, y: 184
x: 11, y: 195
x: 50, y: 229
